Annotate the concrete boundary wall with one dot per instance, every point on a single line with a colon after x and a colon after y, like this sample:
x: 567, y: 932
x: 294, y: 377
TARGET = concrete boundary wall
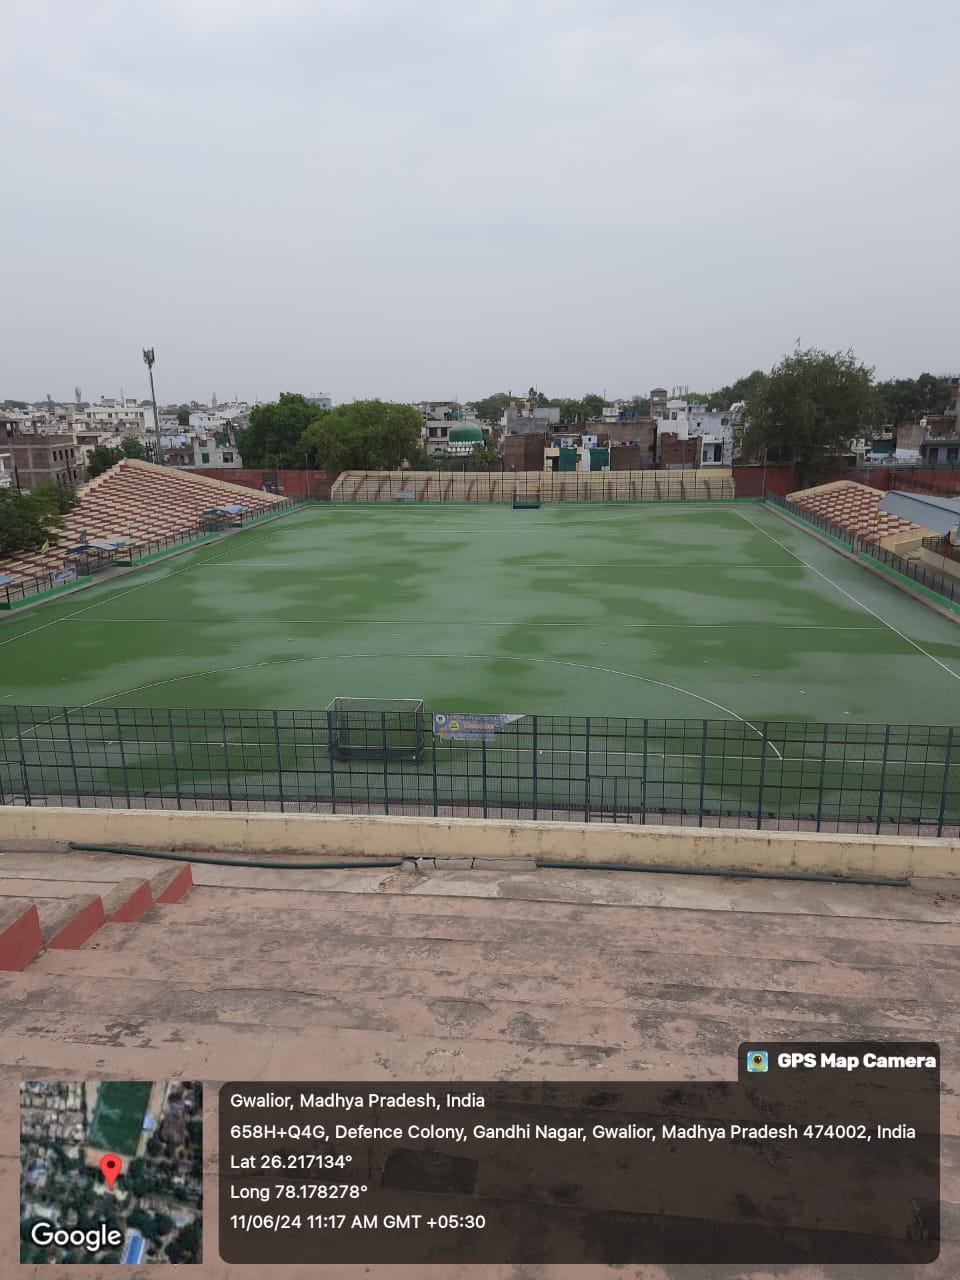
x: 489, y: 842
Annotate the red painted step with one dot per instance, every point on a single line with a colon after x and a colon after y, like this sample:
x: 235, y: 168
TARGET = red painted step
x: 20, y: 937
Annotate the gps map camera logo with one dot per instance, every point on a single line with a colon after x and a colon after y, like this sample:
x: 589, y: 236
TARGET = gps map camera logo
x: 757, y: 1060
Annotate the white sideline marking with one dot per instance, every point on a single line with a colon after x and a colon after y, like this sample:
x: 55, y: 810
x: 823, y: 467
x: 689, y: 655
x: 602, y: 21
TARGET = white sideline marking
x: 434, y: 657
x: 866, y: 608
x: 457, y: 622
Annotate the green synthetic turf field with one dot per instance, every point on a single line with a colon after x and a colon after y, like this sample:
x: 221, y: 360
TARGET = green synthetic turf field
x: 678, y: 610
x: 118, y: 1118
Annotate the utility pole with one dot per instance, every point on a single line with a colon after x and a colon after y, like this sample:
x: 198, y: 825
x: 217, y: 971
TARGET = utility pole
x: 148, y: 359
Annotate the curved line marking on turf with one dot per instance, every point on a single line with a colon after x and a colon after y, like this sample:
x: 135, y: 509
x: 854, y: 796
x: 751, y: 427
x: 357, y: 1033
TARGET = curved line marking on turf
x: 434, y: 657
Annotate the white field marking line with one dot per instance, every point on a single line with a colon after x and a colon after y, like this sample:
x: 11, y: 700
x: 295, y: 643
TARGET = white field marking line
x: 560, y: 754
x: 69, y: 617
x: 866, y: 608
x: 433, y: 624
x: 649, y: 509
x: 109, y: 599
x: 434, y: 657
x: 545, y: 564
x: 557, y: 754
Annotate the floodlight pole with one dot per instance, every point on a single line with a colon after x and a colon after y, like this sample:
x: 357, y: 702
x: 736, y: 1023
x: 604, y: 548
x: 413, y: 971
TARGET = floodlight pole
x: 148, y: 359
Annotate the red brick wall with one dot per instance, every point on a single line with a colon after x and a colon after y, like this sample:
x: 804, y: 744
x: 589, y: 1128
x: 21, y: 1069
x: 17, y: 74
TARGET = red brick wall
x: 523, y: 453
x: 630, y: 457
x: 748, y: 481
x: 674, y: 452
x: 295, y: 484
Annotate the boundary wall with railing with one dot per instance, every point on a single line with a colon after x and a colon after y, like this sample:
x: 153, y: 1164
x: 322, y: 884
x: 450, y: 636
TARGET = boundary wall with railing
x: 549, y: 486
x: 915, y: 571
x: 767, y: 776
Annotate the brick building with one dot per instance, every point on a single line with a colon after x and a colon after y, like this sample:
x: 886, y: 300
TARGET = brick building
x: 676, y: 453
x: 523, y: 452
x: 37, y: 459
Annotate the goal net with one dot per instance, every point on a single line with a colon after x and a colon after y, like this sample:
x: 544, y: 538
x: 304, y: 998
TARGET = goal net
x: 376, y: 728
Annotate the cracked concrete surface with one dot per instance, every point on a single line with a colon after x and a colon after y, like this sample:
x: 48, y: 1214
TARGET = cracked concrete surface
x: 465, y: 974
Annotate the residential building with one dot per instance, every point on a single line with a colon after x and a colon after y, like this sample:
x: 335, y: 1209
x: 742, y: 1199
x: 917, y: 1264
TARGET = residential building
x: 523, y: 452
x: 6, y: 469
x: 122, y: 418
x: 37, y: 458
x: 218, y: 449
x: 529, y: 421
x: 321, y: 401
x: 689, y: 420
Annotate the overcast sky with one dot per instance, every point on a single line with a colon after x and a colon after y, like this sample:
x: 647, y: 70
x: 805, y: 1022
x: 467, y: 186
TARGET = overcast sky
x: 437, y: 198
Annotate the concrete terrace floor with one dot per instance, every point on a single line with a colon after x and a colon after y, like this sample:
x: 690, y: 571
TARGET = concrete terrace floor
x: 461, y: 975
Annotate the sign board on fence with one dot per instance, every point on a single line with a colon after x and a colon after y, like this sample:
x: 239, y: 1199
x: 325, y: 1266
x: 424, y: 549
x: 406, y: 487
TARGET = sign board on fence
x: 64, y: 575
x: 469, y: 728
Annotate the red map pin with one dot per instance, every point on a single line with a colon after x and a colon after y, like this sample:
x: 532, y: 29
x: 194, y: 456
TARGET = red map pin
x: 110, y: 1167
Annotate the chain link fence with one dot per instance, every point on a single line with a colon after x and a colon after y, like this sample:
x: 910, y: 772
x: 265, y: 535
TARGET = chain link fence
x: 893, y: 779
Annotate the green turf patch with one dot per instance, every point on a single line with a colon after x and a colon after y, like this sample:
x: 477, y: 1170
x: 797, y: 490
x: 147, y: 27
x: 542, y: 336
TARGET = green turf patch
x: 118, y: 1119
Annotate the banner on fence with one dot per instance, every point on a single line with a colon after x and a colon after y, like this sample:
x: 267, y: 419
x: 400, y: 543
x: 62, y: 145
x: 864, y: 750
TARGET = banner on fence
x: 64, y: 575
x: 469, y: 728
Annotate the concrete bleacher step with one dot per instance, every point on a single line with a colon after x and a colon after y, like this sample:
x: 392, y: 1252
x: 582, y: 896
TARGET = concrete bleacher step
x: 62, y: 914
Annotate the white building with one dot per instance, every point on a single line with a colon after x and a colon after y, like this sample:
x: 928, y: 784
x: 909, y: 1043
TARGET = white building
x: 689, y: 419
x: 6, y: 471
x: 120, y: 417
x: 218, y: 450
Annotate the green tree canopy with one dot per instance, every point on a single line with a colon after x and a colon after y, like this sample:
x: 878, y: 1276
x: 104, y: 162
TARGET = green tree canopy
x: 28, y: 520
x: 807, y: 411
x: 592, y: 405
x: 130, y: 447
x: 369, y: 435
x: 485, y: 458
x: 909, y: 399
x: 100, y: 459
x: 183, y: 415
x: 491, y: 408
x: 273, y: 436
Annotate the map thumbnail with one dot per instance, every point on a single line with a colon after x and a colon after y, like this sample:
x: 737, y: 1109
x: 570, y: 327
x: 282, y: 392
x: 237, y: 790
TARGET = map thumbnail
x: 111, y: 1171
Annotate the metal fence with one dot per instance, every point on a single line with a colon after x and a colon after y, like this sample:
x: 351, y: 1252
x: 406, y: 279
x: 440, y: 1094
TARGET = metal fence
x: 721, y: 773
x: 14, y: 593
x: 496, y: 485
x: 942, y: 547
x: 922, y: 574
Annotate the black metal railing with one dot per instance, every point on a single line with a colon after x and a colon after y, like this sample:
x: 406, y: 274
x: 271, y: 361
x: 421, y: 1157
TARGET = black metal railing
x: 14, y: 593
x: 925, y: 576
x: 775, y: 775
x: 942, y: 547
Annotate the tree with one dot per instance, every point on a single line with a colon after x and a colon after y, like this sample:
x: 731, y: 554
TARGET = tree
x: 100, y: 459
x: 273, y: 435
x: 183, y: 415
x: 491, y: 409
x: 485, y: 458
x: 909, y: 399
x: 185, y: 1247
x: 369, y: 435
x: 570, y: 410
x: 808, y: 410
x: 27, y: 521
x: 132, y: 448
x: 592, y: 405
x: 58, y: 498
